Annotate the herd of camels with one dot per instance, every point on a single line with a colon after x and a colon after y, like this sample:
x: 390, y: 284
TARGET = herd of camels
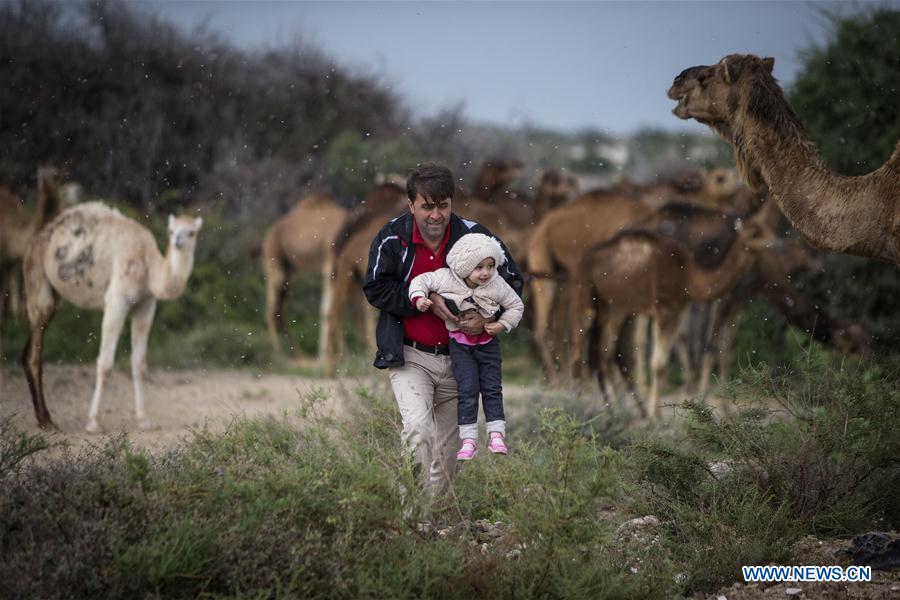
x: 601, y: 266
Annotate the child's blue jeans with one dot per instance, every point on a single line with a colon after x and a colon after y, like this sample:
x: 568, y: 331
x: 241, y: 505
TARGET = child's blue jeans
x: 477, y: 372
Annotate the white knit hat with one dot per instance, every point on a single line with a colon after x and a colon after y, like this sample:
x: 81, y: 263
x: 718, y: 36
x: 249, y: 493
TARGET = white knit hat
x: 470, y: 250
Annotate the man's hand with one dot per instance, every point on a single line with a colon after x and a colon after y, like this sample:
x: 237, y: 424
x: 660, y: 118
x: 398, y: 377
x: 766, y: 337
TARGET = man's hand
x: 471, y: 322
x: 494, y: 328
x: 439, y: 308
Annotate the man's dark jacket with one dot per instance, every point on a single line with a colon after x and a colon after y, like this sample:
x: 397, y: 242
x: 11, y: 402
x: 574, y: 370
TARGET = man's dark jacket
x: 387, y: 280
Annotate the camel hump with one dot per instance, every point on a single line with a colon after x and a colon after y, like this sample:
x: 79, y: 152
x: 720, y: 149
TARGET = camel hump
x: 383, y: 202
x: 95, y: 210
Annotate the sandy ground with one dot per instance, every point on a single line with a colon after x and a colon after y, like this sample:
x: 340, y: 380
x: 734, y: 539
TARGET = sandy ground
x: 175, y: 401
x: 179, y: 401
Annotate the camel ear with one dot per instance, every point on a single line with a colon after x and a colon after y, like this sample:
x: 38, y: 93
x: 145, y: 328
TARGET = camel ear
x: 171, y: 222
x: 726, y: 71
x: 768, y: 63
x: 198, y: 222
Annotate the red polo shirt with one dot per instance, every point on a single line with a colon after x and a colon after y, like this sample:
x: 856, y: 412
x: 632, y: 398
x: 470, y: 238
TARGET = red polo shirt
x: 426, y: 328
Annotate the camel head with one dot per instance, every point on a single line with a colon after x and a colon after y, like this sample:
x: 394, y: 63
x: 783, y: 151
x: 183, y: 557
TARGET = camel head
x: 558, y: 185
x: 70, y: 194
x: 709, y: 94
x: 720, y: 183
x: 48, y: 175
x: 183, y: 233
x: 496, y: 174
x: 755, y: 234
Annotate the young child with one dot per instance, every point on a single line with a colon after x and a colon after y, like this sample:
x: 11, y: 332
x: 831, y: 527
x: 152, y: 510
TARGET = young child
x: 471, y: 283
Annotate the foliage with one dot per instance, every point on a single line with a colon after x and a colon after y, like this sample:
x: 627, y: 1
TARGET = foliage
x: 140, y: 110
x: 307, y: 505
x: 803, y: 454
x: 847, y: 92
x: 847, y: 95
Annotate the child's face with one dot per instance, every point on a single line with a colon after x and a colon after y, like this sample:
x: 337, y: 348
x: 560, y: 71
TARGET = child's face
x: 482, y: 273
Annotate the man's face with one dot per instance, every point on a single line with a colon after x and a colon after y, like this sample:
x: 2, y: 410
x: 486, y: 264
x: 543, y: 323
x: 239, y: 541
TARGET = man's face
x: 431, y: 216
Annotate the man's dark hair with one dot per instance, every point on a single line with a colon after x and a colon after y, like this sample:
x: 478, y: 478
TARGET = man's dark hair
x: 432, y: 182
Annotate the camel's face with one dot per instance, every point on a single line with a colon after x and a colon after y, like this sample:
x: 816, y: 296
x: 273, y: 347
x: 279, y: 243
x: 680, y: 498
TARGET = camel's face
x: 183, y: 232
x: 558, y: 185
x: 70, y: 194
x: 702, y: 91
x: 700, y: 94
x: 721, y: 183
x: 497, y: 173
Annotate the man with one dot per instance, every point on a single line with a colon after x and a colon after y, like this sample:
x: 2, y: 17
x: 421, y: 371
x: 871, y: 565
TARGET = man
x: 414, y: 346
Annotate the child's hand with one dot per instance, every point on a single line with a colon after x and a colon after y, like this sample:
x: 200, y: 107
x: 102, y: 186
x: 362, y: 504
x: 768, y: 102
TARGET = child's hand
x: 423, y: 304
x: 494, y: 328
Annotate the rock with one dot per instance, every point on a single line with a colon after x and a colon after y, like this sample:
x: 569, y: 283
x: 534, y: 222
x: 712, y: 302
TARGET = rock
x: 876, y: 549
x: 720, y: 468
x: 793, y: 591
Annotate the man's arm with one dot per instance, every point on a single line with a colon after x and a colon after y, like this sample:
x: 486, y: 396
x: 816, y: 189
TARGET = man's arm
x: 382, y: 287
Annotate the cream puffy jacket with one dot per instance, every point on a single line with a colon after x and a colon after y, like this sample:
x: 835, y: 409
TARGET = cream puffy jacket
x: 485, y: 298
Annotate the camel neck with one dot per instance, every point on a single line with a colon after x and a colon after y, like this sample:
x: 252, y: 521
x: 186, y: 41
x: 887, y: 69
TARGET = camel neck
x: 834, y: 212
x: 170, y: 274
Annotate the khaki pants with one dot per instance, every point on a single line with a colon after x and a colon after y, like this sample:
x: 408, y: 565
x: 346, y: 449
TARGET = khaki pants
x: 425, y: 390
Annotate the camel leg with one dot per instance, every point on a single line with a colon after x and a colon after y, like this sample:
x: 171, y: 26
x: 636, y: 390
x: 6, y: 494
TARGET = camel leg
x: 141, y: 322
x: 640, y: 337
x: 40, y: 306
x: 582, y: 314
x: 681, y: 345
x: 276, y: 294
x: 338, y: 297
x: 610, y: 326
x: 727, y: 333
x: 544, y: 292
x: 371, y: 325
x: 14, y: 293
x: 326, y: 334
x: 114, y: 316
x: 712, y: 340
x: 665, y: 326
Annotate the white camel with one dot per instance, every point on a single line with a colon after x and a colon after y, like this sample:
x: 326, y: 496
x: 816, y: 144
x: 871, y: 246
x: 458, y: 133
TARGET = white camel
x: 96, y: 258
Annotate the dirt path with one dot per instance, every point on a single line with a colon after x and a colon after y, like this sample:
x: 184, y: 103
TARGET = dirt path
x: 176, y: 401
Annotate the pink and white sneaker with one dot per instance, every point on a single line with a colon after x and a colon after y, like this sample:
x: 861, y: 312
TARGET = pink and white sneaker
x: 495, y: 443
x: 468, y: 450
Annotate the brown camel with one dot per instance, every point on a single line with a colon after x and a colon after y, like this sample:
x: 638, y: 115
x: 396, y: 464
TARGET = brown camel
x: 494, y: 177
x: 714, y: 187
x: 555, y: 189
x: 94, y: 257
x: 771, y: 276
x: 301, y: 240
x: 553, y: 252
x: 705, y: 233
x: 642, y: 272
x: 556, y: 243
x: 17, y: 228
x: 740, y: 99
x: 349, y: 255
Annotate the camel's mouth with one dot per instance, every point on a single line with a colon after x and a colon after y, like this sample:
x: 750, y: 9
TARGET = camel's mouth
x: 681, y: 109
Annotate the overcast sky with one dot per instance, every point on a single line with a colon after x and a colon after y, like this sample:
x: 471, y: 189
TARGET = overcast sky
x: 563, y: 65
